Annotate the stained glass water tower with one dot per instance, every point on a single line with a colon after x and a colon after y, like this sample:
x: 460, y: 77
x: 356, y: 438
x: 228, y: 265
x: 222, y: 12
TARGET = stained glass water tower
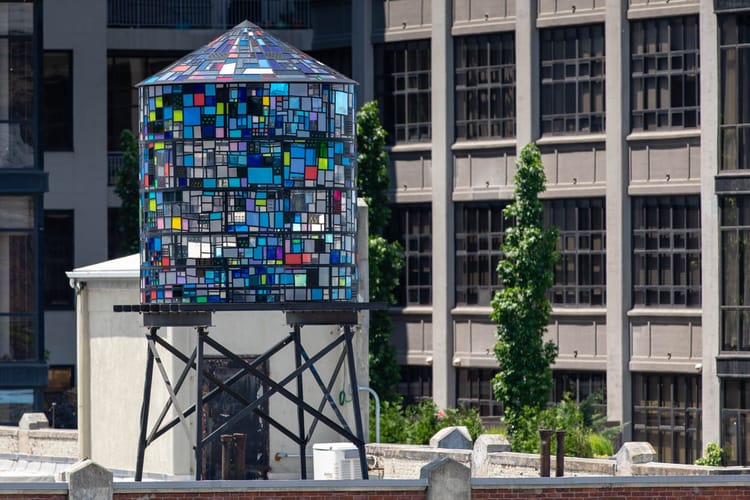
x: 247, y: 154
x: 248, y: 175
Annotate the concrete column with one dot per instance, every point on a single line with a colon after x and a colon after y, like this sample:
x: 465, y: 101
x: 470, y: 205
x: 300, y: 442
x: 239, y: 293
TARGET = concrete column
x: 527, y: 74
x: 447, y: 480
x: 619, y: 282
x: 83, y: 368
x: 711, y: 320
x: 362, y: 56
x: 443, y: 255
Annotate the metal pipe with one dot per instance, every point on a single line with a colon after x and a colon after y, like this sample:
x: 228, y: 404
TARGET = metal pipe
x: 282, y: 454
x: 377, y: 409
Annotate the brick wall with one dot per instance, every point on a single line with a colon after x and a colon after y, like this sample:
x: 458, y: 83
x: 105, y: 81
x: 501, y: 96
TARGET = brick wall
x: 622, y: 492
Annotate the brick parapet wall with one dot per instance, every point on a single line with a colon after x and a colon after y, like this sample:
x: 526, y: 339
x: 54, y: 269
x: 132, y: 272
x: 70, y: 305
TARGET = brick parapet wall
x: 33, y: 491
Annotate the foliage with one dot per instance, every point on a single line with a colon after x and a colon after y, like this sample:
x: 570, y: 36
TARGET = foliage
x: 416, y: 424
x: 522, y: 309
x: 386, y: 258
x: 713, y: 456
x: 126, y: 187
x: 372, y: 165
x: 585, y: 431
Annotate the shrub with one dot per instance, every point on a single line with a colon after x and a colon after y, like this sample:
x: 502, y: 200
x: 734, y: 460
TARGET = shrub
x: 713, y: 457
x: 416, y: 424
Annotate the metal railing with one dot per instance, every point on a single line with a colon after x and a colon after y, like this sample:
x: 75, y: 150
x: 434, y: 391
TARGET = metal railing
x: 208, y: 14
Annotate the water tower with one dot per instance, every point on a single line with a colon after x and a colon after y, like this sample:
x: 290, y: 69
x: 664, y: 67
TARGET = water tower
x: 248, y: 202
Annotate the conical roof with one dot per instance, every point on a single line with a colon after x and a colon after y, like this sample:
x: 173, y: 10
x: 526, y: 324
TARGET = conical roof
x: 246, y: 53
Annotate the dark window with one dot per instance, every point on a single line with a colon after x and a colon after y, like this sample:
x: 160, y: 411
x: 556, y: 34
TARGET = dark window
x: 572, y: 60
x: 14, y: 403
x: 474, y: 390
x: 123, y: 72
x: 667, y: 414
x: 665, y: 84
x: 59, y: 258
x: 415, y: 384
x: 485, y: 86
x: 402, y: 85
x: 339, y: 59
x: 735, y: 273
x: 735, y: 421
x: 580, y: 271
x: 57, y: 110
x: 734, y: 87
x: 667, y: 251
x: 580, y: 386
x: 412, y: 226
x: 479, y: 234
x: 17, y: 86
x: 18, y: 290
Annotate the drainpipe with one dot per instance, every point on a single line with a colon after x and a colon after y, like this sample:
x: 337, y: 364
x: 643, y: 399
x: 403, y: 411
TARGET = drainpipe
x: 377, y: 410
x: 83, y: 368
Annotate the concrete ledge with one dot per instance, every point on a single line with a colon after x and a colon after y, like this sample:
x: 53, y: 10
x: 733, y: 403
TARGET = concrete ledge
x: 273, y: 486
x: 662, y: 469
x: 609, y: 482
x: 29, y: 488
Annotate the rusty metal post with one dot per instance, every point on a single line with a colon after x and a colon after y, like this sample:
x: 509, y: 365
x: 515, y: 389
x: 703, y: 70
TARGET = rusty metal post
x: 226, y: 455
x: 560, y: 465
x: 544, y: 452
x: 239, y: 455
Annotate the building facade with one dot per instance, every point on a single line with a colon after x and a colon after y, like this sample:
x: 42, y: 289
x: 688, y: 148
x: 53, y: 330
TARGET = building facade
x: 638, y: 108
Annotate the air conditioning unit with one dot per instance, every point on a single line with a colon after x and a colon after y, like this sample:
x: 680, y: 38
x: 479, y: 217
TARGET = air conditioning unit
x: 336, y: 461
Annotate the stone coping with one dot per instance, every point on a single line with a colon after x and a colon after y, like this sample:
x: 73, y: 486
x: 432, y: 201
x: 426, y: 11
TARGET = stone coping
x: 607, y: 482
x: 275, y: 485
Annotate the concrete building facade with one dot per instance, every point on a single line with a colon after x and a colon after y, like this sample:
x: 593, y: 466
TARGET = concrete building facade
x: 639, y: 108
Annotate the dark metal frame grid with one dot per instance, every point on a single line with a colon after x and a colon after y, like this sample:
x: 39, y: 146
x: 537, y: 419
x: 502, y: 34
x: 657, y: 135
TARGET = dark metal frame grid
x: 413, y: 228
x: 667, y: 244
x: 485, y: 77
x: 667, y: 62
x: 734, y: 116
x: 572, y: 67
x: 734, y: 230
x: 303, y: 362
x: 404, y: 88
x: 581, y: 245
x: 480, y: 230
x: 673, y: 414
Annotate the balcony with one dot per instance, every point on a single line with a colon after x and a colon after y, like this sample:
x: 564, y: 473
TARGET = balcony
x: 208, y: 14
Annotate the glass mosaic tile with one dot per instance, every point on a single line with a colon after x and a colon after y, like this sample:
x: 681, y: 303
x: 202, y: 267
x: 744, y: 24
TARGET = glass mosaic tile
x: 248, y: 184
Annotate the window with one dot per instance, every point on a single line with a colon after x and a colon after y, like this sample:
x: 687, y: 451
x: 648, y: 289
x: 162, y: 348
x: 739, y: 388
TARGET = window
x: 16, y: 85
x: 667, y: 414
x: 479, y: 235
x: 734, y: 87
x: 580, y: 271
x: 339, y: 58
x: 735, y: 275
x: 735, y: 420
x: 412, y: 226
x: 415, y: 384
x: 14, y: 403
x: 667, y: 251
x: 58, y: 100
x: 58, y: 259
x: 18, y: 279
x: 474, y: 390
x: 573, y: 79
x: 402, y: 84
x: 579, y: 386
x: 665, y: 86
x: 485, y: 86
x: 123, y: 72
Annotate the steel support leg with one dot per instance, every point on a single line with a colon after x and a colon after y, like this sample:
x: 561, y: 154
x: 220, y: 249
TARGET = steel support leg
x: 300, y: 410
x: 145, y: 406
x: 199, y: 407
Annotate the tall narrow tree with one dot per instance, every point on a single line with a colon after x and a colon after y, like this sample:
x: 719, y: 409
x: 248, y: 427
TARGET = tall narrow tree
x: 386, y: 258
x: 127, y: 188
x: 522, y: 308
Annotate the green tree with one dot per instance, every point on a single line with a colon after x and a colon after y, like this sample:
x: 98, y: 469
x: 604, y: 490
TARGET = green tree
x: 126, y: 187
x: 386, y: 258
x: 522, y: 309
